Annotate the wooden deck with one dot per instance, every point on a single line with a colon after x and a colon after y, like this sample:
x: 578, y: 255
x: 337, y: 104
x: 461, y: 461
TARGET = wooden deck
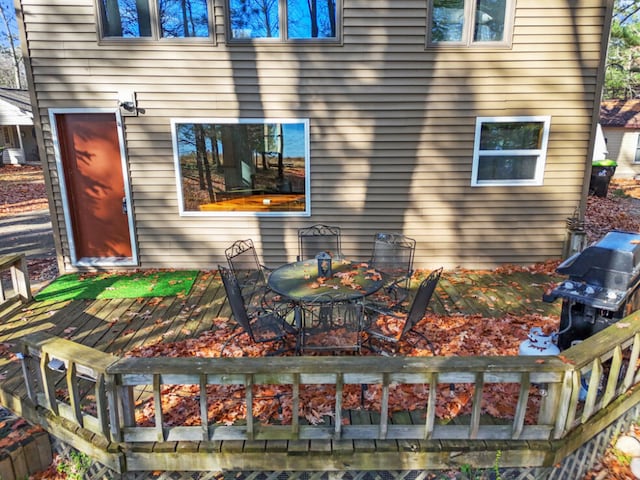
x: 118, y: 326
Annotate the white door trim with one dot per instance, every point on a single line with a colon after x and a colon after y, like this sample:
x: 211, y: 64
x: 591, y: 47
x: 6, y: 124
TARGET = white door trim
x: 87, y: 262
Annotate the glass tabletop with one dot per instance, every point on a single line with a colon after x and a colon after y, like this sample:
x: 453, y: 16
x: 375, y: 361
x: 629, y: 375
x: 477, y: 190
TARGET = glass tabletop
x: 348, y: 281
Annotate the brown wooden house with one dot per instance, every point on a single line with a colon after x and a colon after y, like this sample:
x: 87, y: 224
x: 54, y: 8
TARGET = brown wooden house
x: 171, y: 129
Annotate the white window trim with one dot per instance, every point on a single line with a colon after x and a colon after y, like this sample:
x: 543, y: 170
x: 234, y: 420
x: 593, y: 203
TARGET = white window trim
x: 467, y: 38
x: 307, y: 179
x: 541, y: 153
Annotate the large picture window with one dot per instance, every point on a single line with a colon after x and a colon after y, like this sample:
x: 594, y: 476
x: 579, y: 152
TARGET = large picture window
x: 283, y: 19
x: 242, y: 167
x: 470, y: 22
x: 510, y: 150
x: 154, y: 19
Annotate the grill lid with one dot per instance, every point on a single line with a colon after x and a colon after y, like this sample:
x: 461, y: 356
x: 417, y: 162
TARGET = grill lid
x: 613, y: 262
x: 604, y: 274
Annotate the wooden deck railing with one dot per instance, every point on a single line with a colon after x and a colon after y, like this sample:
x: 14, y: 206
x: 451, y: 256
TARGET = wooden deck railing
x: 578, y: 384
x: 20, y: 286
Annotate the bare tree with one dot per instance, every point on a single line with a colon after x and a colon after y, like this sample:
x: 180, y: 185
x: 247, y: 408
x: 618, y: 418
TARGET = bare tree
x: 11, y: 43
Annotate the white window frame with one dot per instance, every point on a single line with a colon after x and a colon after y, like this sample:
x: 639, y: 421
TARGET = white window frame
x: 231, y: 121
x: 469, y: 23
x: 541, y: 152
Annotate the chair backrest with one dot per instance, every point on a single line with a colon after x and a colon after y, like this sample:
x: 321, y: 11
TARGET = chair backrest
x: 393, y: 254
x: 236, y: 302
x: 243, y: 261
x: 420, y: 302
x: 333, y: 324
x: 319, y: 238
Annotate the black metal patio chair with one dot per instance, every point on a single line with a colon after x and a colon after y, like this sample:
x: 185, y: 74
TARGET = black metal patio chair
x: 332, y: 324
x: 251, y: 275
x: 261, y: 325
x: 392, y: 256
x: 319, y: 238
x: 390, y: 325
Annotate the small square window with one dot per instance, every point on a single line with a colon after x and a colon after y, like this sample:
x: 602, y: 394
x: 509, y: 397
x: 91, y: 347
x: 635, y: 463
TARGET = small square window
x: 243, y: 167
x: 154, y: 19
x: 470, y: 22
x: 283, y: 20
x: 510, y: 150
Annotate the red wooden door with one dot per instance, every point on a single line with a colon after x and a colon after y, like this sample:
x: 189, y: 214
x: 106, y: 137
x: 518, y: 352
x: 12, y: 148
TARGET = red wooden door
x: 91, y: 160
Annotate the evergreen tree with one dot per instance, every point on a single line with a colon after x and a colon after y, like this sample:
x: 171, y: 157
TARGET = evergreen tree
x: 622, y: 80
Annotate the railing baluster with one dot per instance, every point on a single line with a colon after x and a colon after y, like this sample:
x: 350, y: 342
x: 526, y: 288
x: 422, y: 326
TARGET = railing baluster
x: 613, y: 376
x: 28, y: 373
x: 338, y: 411
x: 566, y: 404
x: 114, y: 409
x: 74, y: 395
x: 128, y: 406
x: 295, y: 406
x: 101, y: 405
x: 431, y: 406
x: 157, y: 403
x: 49, y: 383
x: 521, y: 407
x: 384, y: 407
x: 549, y: 408
x: 630, y: 377
x: 592, y: 391
x: 204, y: 412
x: 248, y: 389
x: 476, y: 409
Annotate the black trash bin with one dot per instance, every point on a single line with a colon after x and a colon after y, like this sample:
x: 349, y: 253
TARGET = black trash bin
x: 601, y: 173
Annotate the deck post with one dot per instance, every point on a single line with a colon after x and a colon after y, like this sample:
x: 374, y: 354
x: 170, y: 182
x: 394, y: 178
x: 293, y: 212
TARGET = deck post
x: 20, y: 278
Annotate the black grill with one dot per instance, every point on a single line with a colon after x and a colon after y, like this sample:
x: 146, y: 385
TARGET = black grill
x: 602, y: 286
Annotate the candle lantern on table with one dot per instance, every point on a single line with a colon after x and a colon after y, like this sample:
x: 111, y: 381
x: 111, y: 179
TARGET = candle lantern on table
x: 324, y: 264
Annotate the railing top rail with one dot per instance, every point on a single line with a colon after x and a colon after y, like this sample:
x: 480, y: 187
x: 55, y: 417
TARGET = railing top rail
x: 68, y: 351
x: 7, y: 261
x: 302, y: 364
x: 601, y: 343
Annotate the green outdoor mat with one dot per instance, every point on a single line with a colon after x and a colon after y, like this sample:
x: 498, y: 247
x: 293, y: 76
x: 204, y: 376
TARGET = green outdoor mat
x: 112, y: 285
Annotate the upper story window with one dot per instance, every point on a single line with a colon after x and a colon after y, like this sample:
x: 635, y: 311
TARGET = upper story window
x: 636, y: 157
x: 283, y: 19
x: 510, y: 150
x: 154, y: 19
x: 470, y: 22
x: 249, y: 167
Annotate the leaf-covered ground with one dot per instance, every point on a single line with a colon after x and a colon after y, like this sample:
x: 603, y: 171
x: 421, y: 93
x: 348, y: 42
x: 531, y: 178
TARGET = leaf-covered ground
x: 22, y: 190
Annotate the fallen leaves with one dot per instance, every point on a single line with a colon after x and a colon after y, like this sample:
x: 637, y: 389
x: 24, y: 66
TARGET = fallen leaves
x: 459, y: 335
x: 22, y: 190
x: 606, y: 214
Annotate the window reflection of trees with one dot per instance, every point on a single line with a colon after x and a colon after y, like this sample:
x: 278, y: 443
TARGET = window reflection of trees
x: 264, y: 18
x: 219, y: 162
x: 133, y: 18
x: 449, y: 20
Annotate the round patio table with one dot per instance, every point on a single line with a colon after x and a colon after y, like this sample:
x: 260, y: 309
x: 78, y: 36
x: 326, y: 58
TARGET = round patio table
x: 300, y: 282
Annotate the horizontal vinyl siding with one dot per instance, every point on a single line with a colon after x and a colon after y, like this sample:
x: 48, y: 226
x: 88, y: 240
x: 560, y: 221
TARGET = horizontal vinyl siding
x: 621, y: 145
x: 392, y: 126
